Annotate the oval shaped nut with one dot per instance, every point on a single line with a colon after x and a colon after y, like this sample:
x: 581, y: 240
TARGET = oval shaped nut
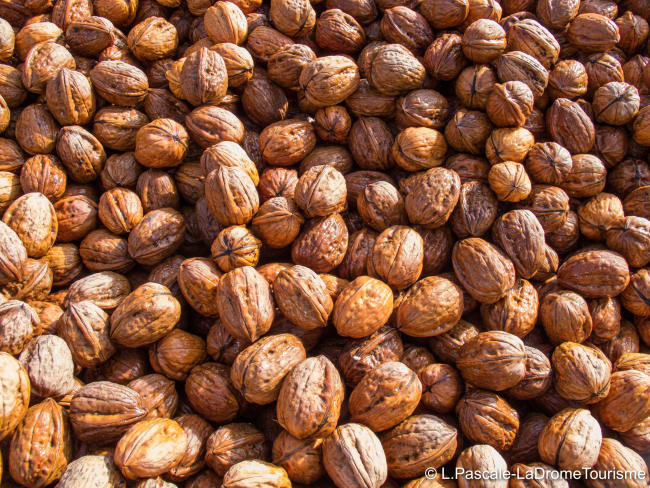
x: 310, y: 399
x: 302, y: 297
x: 433, y: 198
x: 321, y: 191
x: 101, y: 412
x: 233, y: 443
x: 493, y: 360
x: 18, y: 324
x: 430, y: 307
x: 41, y: 446
x: 595, y: 274
x: 353, y: 457
x: 250, y: 474
x: 12, y: 255
x: 627, y: 403
x: 197, y: 431
x: 33, y: 219
x: 245, y: 303
x: 581, y: 373
x: 120, y: 83
x: 157, y: 236
x: 420, y: 442
x: 198, y: 279
x: 211, y: 393
x: 397, y: 256
x: 483, y: 271
x: 521, y: 236
x: 363, y: 307
x: 105, y: 289
x: 158, y: 394
x: 385, y: 396
x: 14, y: 393
x: 88, y: 470
x: 150, y: 448
x: 231, y: 195
x: 49, y: 364
x: 85, y: 327
x: 258, y: 370
x: 571, y: 440
x: 302, y: 459
x: 145, y: 316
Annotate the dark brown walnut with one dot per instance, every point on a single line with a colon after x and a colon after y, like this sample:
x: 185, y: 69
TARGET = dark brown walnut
x: 124, y: 366
x: 636, y: 297
x: 310, y: 399
x: 245, y: 303
x: 385, y: 396
x: 321, y: 191
x: 483, y: 271
x: 570, y: 126
x: 70, y: 98
x: 468, y: 130
x: 375, y: 134
x: 76, y: 216
x: 475, y: 211
x: 486, y: 418
x: 637, y: 437
x: 116, y: 127
x: 302, y: 297
x: 85, y: 327
x: 422, y: 108
x: 581, y: 373
x: 483, y: 41
x: 209, y: 124
x: 48, y: 313
x: 204, y: 479
x: 353, y: 456
x: 90, y: 36
x: 336, y: 156
x: 44, y: 174
x: 266, y: 42
x: 332, y: 124
x: 629, y: 175
x: 204, y: 77
x: 329, y: 80
x: 287, y: 142
x: 557, y: 15
x: 322, y: 244
x: 568, y: 79
x: 394, y: 70
x: 519, y: 66
x: 565, y: 317
x: 592, y: 32
x: 548, y: 163
x: 81, y: 152
x: 152, y: 39
x: 234, y: 443
x: 258, y: 370
x: 166, y: 274
x: 277, y: 182
x: 443, y: 14
x: 120, y: 210
x: 33, y: 219
x: 41, y: 445
x: 515, y: 313
x: 381, y: 205
x: 629, y: 237
x: 444, y: 58
x: 615, y: 456
x: 636, y: 202
x: 421, y: 315
x: 277, y: 223
x: 586, y: 178
x: 437, y: 249
x: 144, y: 316
x: 494, y: 360
x: 433, y: 197
x: 595, y: 273
x: 157, y: 190
x: 36, y: 130
x: 520, y: 234
x: 338, y: 31
x: 571, y: 440
x: 474, y: 85
x: 251, y: 473
x: 397, y: 256
x: 157, y: 236
x: 302, y: 459
x: 177, y: 353
x: 537, y: 378
x: 211, y: 393
x: 442, y: 387
x: 417, y: 357
x: 16, y: 389
x: 162, y: 104
x: 447, y: 346
x: 158, y: 394
x: 524, y: 448
x: 12, y: 156
x: 356, y: 181
x: 615, y: 103
x: 606, y: 317
x: 360, y: 357
x: 101, y: 412
x: 235, y: 246
x: 119, y: 83
x: 150, y: 448
x: 160, y: 144
x: 627, y: 403
x: 121, y: 13
x: 550, y: 204
x: 105, y: 289
x: 599, y: 214
x: 100, y: 250
x: 95, y: 468
x: 293, y: 18
x: 419, y: 442
x: 611, y: 145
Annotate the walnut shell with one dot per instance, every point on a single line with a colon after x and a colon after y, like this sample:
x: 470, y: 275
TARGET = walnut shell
x: 234, y: 443
x: 85, y: 327
x: 15, y: 389
x: 211, y: 393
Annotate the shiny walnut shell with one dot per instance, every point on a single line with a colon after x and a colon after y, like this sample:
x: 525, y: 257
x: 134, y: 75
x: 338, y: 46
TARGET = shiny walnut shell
x: 161, y: 143
x: 394, y: 70
x: 211, y: 393
x: 204, y: 77
x: 310, y: 399
x: 105, y: 289
x: 235, y: 246
x: 36, y: 130
x: 442, y: 387
x: 581, y: 373
x: 231, y: 195
x: 234, y: 443
x: 152, y: 39
x: 594, y: 274
x: 119, y: 83
x: 363, y: 307
x: 302, y: 459
x: 177, y: 353
x: 157, y: 236
x: 258, y: 370
x: 277, y: 222
x: 70, y: 98
x: 627, y: 403
x: 329, y: 80
x: 515, y: 313
x: 158, y: 394
x: 197, y: 431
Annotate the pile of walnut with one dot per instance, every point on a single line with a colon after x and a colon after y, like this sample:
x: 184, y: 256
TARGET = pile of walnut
x: 259, y: 244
